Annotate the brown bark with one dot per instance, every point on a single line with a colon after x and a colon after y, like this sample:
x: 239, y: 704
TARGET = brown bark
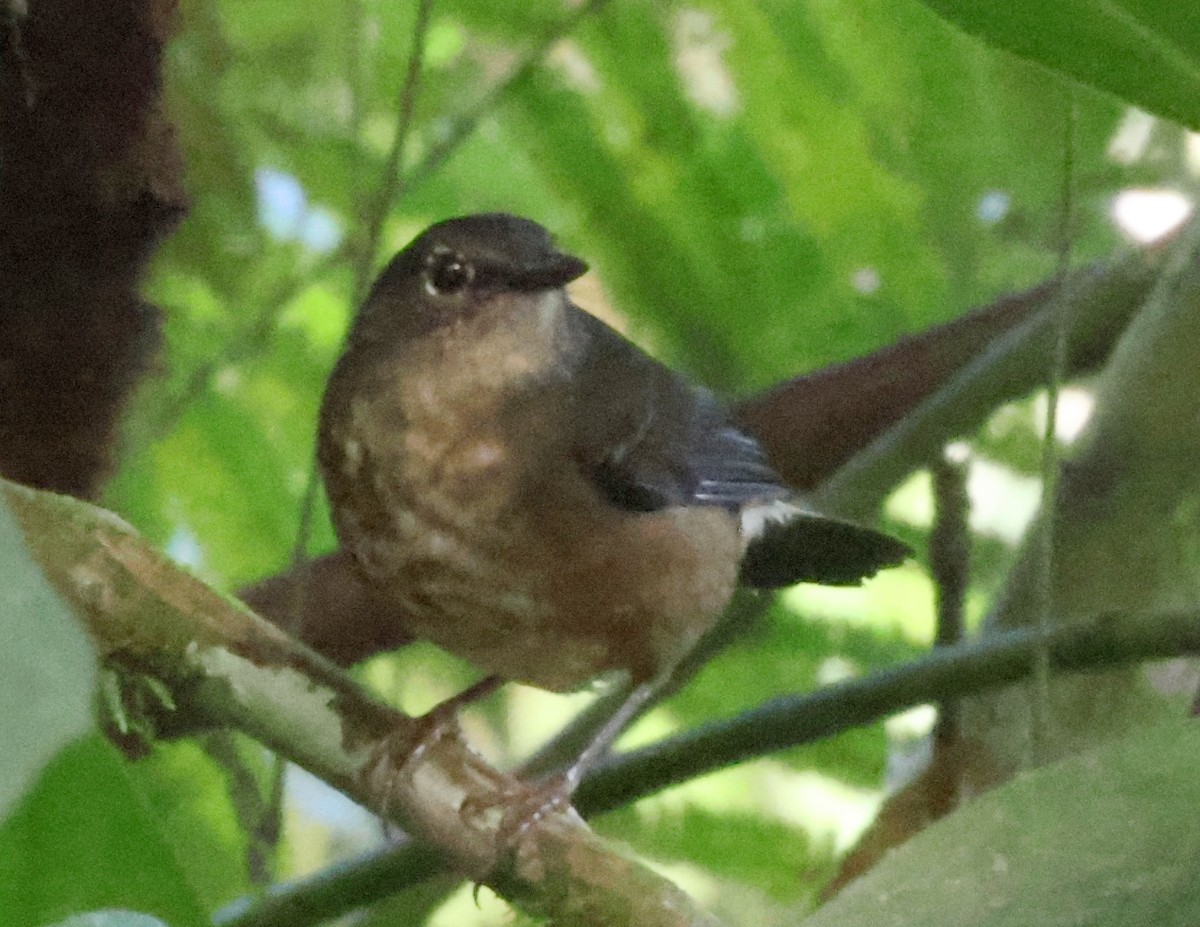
x: 812, y: 425
x: 90, y: 181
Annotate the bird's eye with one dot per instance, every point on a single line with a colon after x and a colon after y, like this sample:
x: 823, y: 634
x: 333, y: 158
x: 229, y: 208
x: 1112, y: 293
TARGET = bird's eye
x: 446, y: 273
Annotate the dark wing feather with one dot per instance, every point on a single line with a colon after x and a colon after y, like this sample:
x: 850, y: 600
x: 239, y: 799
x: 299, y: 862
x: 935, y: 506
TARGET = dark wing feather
x: 648, y: 439
x: 810, y: 548
x: 731, y: 469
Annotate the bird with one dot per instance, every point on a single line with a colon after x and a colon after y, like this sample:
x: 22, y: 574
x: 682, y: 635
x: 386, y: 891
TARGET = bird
x: 535, y: 493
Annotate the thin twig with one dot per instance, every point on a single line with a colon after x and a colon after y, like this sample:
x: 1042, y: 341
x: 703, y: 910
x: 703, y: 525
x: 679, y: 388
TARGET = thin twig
x: 379, y: 208
x: 249, y: 341
x: 1040, y: 733
x: 468, y: 121
x: 949, y: 565
x: 245, y: 794
x: 391, y: 182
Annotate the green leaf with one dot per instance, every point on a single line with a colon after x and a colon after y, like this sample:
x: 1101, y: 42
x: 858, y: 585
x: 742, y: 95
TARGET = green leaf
x: 238, y: 486
x: 46, y: 664
x: 1106, y: 838
x: 1147, y: 52
x: 187, y: 795
x: 84, y: 839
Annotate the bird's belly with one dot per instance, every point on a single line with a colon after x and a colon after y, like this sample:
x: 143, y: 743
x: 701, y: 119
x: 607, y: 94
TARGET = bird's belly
x: 530, y: 575
x: 557, y: 609
x: 449, y: 532
x: 487, y: 597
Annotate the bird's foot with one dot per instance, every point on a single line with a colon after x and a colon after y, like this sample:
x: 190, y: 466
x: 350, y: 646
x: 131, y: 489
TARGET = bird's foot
x: 525, y: 805
x: 399, y: 753
x: 532, y: 804
x: 520, y: 808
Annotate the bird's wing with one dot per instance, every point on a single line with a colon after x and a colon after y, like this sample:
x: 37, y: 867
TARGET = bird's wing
x: 648, y: 439
x: 788, y: 544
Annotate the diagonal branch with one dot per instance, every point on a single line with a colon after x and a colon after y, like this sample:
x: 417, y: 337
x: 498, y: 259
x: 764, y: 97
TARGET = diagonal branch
x: 224, y: 665
x: 1098, y: 301
x: 946, y: 674
x: 865, y: 424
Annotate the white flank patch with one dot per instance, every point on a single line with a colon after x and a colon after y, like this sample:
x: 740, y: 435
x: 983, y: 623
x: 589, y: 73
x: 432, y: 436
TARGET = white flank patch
x: 757, y: 518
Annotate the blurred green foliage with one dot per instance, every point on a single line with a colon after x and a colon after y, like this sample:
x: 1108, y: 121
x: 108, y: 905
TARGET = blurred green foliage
x: 1002, y: 856
x: 762, y: 189
x: 87, y: 836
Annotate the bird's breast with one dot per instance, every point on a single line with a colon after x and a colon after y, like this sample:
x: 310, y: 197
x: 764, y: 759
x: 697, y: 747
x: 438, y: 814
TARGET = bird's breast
x: 454, y: 485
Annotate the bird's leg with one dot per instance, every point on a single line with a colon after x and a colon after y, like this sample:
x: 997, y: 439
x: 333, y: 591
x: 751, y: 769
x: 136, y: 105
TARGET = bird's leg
x: 748, y: 611
x: 401, y: 750
x: 551, y: 792
x: 442, y: 718
x: 535, y: 801
x: 606, y: 736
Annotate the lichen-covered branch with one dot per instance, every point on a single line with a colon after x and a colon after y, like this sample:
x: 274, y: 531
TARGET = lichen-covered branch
x: 225, y: 665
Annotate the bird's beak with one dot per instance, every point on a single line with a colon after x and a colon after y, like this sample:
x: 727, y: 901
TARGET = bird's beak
x: 548, y: 272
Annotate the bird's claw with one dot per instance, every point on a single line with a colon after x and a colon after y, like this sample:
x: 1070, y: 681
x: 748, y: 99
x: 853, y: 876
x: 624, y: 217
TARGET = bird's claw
x: 522, y: 807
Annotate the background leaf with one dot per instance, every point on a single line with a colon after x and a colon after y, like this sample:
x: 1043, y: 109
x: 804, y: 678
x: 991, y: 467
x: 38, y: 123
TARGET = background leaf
x: 87, y: 837
x: 1097, y: 839
x: 46, y: 664
x: 1144, y: 51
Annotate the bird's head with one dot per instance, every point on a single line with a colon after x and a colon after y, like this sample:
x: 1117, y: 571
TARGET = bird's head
x: 458, y: 268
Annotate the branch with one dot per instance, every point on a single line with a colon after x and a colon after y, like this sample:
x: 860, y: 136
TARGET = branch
x: 224, y: 665
x: 1099, y: 302
x: 946, y: 674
